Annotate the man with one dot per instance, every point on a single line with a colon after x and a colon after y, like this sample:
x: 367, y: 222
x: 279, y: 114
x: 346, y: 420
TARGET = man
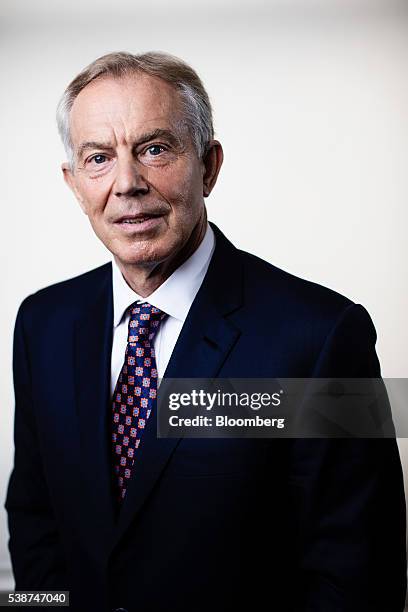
x: 97, y: 504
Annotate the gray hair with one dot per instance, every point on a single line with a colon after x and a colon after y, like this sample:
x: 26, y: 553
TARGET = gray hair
x: 196, y: 103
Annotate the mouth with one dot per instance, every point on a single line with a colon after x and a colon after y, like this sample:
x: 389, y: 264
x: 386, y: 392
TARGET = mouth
x: 140, y: 222
x: 139, y: 218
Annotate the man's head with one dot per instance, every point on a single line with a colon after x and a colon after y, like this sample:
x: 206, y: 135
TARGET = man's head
x: 139, y: 137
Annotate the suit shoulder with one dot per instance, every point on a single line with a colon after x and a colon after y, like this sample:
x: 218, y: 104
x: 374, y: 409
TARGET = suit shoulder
x: 282, y: 290
x: 299, y: 318
x: 68, y: 294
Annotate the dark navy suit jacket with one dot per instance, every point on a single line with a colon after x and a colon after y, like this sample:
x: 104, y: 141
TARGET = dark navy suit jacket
x: 207, y: 525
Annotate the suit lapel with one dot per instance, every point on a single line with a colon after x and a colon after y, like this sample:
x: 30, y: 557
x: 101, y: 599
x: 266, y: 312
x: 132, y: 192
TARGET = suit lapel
x: 93, y: 344
x: 205, y: 341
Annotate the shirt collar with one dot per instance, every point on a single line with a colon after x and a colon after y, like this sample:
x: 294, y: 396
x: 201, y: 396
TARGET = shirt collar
x: 176, y: 294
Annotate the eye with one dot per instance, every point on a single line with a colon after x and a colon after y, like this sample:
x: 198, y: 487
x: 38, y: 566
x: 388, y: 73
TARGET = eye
x: 155, y: 150
x: 98, y: 159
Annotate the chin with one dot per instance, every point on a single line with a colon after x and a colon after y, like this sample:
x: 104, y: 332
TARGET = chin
x: 143, y: 257
x: 144, y: 252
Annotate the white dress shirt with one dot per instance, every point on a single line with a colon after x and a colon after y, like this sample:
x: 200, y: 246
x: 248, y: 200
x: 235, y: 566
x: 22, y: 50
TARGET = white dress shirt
x: 173, y: 297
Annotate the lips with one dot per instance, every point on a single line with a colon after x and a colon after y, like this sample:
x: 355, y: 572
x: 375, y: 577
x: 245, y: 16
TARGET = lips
x: 140, y: 223
x: 137, y: 219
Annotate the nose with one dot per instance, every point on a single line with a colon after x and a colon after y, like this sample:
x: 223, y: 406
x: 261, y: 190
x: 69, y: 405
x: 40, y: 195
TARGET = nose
x: 129, y: 180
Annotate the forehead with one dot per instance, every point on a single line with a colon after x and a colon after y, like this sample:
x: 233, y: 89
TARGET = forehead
x: 124, y: 107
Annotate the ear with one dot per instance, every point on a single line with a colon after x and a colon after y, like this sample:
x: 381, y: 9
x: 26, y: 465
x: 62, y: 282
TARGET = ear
x: 212, y: 165
x: 70, y: 179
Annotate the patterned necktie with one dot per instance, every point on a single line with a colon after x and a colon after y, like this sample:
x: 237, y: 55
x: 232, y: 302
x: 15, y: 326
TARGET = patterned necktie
x: 135, y: 392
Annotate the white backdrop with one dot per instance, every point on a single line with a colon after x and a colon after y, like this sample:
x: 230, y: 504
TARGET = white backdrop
x: 311, y: 104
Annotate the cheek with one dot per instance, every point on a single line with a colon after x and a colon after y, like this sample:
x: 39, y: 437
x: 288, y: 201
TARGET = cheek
x: 182, y: 190
x: 95, y: 195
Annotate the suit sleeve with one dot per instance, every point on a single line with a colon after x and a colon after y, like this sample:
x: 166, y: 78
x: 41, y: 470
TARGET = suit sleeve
x: 36, y: 552
x: 350, y: 498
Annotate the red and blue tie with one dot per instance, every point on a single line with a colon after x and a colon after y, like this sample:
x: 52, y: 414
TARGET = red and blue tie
x: 135, y: 392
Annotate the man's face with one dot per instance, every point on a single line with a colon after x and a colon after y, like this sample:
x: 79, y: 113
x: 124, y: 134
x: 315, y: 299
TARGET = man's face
x: 137, y: 174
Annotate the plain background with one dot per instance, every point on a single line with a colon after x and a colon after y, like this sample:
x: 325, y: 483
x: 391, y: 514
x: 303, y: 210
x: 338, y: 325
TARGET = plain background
x: 311, y: 105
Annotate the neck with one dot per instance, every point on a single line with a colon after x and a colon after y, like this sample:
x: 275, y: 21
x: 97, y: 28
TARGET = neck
x: 144, y: 280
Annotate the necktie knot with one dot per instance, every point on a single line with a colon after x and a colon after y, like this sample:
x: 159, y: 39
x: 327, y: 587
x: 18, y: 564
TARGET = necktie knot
x: 144, y: 322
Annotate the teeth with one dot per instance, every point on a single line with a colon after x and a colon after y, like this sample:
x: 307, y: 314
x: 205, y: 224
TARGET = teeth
x: 133, y: 220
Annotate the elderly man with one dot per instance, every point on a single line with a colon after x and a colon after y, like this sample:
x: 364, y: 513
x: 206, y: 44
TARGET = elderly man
x: 97, y: 503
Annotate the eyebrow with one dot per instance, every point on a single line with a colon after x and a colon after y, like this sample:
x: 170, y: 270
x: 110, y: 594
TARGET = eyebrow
x: 146, y: 137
